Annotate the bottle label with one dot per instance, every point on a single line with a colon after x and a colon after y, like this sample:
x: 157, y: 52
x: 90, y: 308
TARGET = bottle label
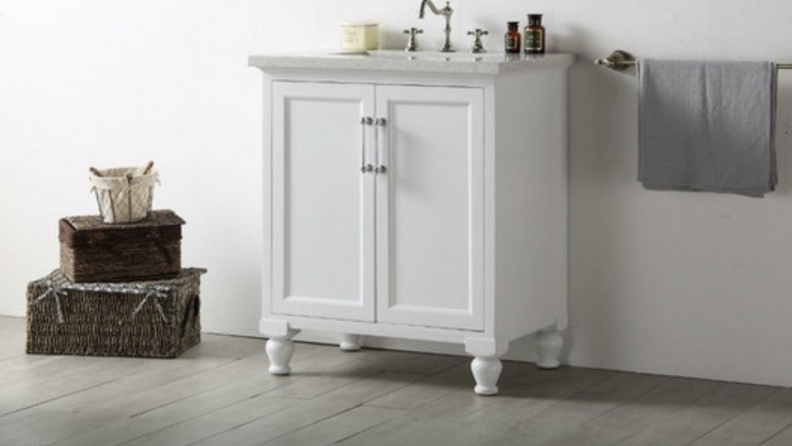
x: 511, y: 43
x: 533, y: 41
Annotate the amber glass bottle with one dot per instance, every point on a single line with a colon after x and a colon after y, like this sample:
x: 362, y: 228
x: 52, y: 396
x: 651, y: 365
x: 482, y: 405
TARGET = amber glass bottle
x: 512, y: 39
x: 534, y: 35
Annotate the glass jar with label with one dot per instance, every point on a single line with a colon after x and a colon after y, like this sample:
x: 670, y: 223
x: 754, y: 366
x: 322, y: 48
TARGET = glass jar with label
x: 512, y: 39
x: 534, y: 35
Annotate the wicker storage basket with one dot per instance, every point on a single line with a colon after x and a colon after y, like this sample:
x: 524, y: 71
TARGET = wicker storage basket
x: 156, y: 319
x: 93, y: 251
x: 124, y: 194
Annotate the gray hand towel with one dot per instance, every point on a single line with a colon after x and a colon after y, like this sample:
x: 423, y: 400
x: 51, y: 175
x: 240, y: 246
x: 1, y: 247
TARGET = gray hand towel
x: 707, y: 126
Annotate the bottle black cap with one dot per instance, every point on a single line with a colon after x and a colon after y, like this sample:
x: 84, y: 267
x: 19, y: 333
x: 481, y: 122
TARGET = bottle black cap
x: 534, y: 19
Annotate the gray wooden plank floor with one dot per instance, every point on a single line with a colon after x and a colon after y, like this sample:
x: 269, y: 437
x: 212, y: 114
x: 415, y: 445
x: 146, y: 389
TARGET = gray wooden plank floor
x: 219, y: 393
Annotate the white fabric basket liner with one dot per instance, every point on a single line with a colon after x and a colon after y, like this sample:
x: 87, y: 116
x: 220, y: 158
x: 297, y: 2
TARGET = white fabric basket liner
x: 122, y: 199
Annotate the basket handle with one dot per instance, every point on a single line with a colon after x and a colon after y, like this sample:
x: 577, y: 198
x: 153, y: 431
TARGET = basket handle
x: 146, y: 170
x: 148, y: 167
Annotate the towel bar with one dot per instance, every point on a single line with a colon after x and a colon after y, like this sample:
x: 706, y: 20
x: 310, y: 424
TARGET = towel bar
x: 620, y: 60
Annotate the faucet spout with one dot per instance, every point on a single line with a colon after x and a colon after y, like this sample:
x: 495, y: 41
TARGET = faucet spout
x: 446, y: 13
x: 432, y: 6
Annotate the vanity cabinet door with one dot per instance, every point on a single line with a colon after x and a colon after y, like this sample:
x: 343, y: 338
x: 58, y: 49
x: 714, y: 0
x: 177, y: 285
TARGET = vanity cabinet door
x: 322, y: 213
x: 430, y: 206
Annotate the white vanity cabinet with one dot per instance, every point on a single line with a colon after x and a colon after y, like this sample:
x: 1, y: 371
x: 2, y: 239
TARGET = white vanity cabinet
x: 422, y: 200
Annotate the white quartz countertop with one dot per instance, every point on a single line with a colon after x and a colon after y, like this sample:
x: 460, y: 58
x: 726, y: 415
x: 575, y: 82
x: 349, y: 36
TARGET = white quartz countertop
x: 422, y: 61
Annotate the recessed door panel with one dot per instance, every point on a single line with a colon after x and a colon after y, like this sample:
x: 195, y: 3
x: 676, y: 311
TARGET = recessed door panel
x: 323, y: 254
x: 430, y: 207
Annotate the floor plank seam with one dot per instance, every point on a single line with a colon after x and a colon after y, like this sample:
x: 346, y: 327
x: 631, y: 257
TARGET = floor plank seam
x: 238, y: 426
x: 216, y: 434
x: 209, y: 412
x: 731, y: 418
x: 15, y: 356
x: 187, y: 377
x: 65, y: 395
x: 424, y: 380
x: 349, y: 437
x: 628, y: 437
x: 629, y: 400
x: 781, y: 431
x: 315, y: 422
x: 366, y: 403
x: 440, y: 371
x: 563, y: 399
x: 203, y: 414
x: 357, y: 379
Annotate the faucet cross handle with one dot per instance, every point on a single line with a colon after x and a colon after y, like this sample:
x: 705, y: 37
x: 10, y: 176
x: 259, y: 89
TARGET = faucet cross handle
x: 412, y: 44
x: 478, y: 47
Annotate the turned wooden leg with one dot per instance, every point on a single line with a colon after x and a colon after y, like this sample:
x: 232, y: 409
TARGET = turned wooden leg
x: 548, y: 348
x: 486, y: 365
x: 279, y: 351
x: 486, y: 371
x: 350, y: 343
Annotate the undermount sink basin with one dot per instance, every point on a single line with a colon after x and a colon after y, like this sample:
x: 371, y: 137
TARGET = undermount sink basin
x: 349, y: 53
x: 428, y: 55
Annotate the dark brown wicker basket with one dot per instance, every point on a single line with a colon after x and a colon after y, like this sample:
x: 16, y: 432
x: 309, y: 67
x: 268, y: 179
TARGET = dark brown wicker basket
x: 94, y: 251
x: 155, y: 319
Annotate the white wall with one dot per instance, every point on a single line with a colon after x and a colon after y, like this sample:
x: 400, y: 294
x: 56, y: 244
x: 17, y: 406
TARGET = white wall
x: 676, y: 283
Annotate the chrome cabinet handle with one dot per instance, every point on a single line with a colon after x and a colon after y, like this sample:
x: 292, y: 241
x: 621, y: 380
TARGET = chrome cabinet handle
x: 381, y: 123
x: 364, y: 167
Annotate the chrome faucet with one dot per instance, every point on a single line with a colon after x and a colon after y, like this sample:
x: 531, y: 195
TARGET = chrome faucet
x: 445, y: 12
